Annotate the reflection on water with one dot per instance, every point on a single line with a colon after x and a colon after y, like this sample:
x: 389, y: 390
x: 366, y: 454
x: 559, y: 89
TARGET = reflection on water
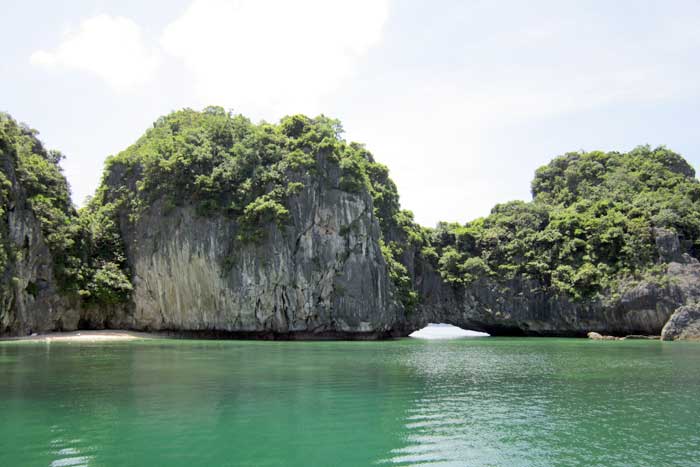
x: 66, y: 452
x: 478, y: 402
x: 465, y: 414
x: 541, y: 403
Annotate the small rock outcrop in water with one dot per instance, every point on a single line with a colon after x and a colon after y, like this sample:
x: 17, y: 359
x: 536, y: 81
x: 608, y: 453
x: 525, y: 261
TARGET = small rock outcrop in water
x: 212, y: 225
x: 599, y: 337
x: 684, y: 324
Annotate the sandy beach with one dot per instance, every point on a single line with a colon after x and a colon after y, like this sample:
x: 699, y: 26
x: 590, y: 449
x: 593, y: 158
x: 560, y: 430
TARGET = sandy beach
x: 84, y: 336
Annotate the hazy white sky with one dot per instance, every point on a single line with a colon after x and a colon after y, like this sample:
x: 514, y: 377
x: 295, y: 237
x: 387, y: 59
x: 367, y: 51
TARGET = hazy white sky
x: 463, y: 100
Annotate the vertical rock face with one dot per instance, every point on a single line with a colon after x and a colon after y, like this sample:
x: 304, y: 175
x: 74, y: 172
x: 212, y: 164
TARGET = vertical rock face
x: 322, y: 275
x: 29, y: 296
x: 684, y: 324
x: 524, y: 307
x: 211, y: 225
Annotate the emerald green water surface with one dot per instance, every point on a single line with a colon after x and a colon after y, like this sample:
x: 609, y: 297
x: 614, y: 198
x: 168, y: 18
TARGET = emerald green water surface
x: 469, y: 402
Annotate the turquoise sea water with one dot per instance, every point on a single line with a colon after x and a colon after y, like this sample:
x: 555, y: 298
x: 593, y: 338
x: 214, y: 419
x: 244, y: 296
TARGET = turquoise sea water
x: 469, y: 402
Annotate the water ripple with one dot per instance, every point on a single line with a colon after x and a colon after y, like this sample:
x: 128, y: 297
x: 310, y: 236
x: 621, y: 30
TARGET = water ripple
x: 493, y: 402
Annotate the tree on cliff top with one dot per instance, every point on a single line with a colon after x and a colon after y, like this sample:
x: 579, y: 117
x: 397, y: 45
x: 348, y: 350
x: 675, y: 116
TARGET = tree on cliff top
x: 78, y: 268
x: 223, y: 164
x: 588, y: 227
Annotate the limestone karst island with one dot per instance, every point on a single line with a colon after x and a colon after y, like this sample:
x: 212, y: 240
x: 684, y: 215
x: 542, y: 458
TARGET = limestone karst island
x: 349, y: 233
x: 213, y: 226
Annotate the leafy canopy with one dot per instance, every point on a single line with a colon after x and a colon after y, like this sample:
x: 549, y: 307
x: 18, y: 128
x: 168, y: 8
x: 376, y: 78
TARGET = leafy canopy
x: 222, y: 163
x: 86, y: 261
x: 589, y: 224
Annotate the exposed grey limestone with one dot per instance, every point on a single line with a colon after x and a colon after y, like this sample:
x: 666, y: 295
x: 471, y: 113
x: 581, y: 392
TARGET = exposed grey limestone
x: 525, y: 307
x: 668, y: 245
x: 29, y: 298
x: 684, y: 324
x: 599, y: 337
x: 321, y: 276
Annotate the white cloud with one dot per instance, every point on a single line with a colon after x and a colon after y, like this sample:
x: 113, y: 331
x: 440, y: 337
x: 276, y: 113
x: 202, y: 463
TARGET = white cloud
x: 462, y: 102
x: 269, y: 58
x: 110, y: 47
x: 508, y: 93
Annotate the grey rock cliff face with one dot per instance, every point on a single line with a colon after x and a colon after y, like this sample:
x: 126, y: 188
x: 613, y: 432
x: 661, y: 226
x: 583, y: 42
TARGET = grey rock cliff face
x: 684, y: 324
x: 320, y: 275
x: 524, y: 307
x: 323, y: 275
x: 29, y: 296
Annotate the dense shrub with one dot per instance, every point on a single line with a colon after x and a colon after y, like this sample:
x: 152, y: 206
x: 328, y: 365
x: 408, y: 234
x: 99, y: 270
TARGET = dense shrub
x: 86, y: 249
x: 589, y: 224
x: 224, y: 164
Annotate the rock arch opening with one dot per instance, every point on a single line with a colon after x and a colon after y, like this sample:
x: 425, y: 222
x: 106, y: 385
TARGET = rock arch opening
x: 445, y: 331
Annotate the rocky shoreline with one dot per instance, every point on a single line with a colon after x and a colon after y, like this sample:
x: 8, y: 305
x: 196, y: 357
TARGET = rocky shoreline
x: 684, y: 324
x: 600, y: 337
x: 113, y: 335
x: 85, y: 336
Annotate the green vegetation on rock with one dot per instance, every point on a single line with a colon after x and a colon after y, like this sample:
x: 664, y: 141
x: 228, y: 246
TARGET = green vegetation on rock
x: 40, y: 180
x: 219, y: 163
x: 75, y: 241
x: 589, y: 226
x: 223, y: 164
